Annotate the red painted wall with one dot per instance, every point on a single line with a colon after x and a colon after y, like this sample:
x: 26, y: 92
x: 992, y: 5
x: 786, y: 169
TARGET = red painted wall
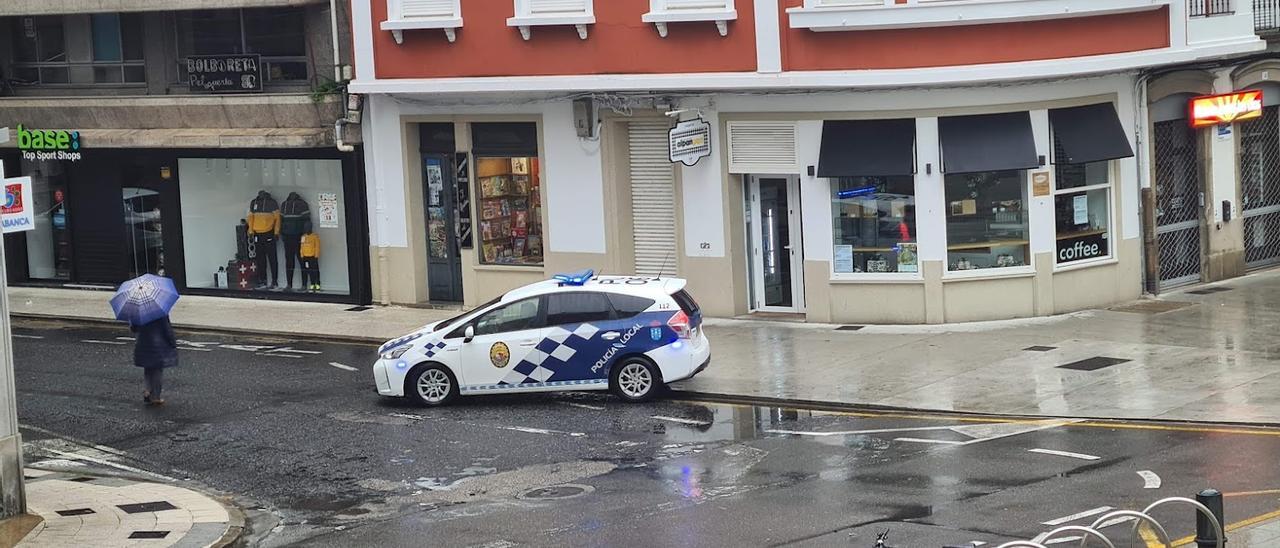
x: 803, y: 49
x: 618, y: 43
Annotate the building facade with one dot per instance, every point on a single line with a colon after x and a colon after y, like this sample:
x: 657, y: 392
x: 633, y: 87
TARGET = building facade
x: 197, y: 140
x: 848, y: 161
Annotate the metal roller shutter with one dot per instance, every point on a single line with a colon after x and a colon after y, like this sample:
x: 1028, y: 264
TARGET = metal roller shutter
x: 653, y: 201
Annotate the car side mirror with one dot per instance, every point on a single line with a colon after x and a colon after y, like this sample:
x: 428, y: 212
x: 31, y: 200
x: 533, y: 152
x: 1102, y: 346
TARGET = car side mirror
x: 468, y: 334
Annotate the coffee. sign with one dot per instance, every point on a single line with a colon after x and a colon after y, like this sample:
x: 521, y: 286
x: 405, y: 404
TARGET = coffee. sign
x: 1080, y: 248
x: 49, y: 144
x: 241, y: 73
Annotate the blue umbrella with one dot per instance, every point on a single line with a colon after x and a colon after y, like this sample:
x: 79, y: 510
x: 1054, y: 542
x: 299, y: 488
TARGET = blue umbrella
x: 144, y: 299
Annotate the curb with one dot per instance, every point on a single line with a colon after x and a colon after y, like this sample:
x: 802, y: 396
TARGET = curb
x: 345, y: 339
x: 818, y: 405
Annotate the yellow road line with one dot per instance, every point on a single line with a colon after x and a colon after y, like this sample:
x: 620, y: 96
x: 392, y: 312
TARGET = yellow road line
x: 1253, y: 493
x: 1189, y: 539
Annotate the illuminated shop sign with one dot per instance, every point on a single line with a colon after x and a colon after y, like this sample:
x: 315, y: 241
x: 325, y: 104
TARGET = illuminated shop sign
x: 48, y: 144
x: 1226, y: 108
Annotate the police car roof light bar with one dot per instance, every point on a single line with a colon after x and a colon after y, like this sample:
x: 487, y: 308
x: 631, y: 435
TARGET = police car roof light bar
x: 575, y: 278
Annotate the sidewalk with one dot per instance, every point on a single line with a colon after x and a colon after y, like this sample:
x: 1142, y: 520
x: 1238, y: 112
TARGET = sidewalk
x: 1208, y: 353
x: 81, y: 509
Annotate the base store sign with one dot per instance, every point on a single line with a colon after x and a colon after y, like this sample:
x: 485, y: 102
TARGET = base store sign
x: 16, y: 212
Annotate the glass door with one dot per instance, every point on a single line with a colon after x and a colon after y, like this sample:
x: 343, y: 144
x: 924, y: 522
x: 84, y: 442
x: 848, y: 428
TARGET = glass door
x: 444, y: 260
x: 777, y: 269
x: 144, y: 231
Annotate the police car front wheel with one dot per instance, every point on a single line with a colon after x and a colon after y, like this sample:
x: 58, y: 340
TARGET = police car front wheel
x: 636, y: 380
x: 432, y: 385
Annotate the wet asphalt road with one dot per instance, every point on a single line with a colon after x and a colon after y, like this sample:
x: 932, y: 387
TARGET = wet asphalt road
x: 321, y: 460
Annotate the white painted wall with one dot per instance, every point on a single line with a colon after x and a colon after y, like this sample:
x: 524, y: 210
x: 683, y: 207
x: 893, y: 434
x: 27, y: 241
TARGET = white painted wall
x: 931, y: 199
x: 384, y: 165
x: 1222, y: 150
x: 1044, y: 237
x: 702, y: 191
x: 815, y: 194
x: 574, y: 182
x: 768, y: 37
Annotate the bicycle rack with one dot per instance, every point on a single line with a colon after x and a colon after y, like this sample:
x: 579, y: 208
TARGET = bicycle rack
x: 1139, y: 518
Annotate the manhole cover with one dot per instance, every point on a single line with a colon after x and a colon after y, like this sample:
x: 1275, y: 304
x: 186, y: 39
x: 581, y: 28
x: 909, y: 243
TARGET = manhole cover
x: 566, y: 491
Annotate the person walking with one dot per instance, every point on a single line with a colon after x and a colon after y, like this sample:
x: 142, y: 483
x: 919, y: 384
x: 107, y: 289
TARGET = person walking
x: 145, y: 303
x: 155, y: 349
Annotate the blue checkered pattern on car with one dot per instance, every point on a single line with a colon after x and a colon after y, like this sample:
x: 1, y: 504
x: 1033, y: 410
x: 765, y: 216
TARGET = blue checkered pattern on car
x: 528, y: 385
x: 569, y: 352
x: 431, y: 349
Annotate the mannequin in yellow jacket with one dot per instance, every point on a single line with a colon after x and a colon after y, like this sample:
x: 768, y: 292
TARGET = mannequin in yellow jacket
x: 309, y: 252
x: 264, y: 230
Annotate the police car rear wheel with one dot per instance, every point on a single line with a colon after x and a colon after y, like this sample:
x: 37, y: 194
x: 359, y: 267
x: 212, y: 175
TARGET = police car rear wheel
x: 434, y: 386
x: 635, y: 380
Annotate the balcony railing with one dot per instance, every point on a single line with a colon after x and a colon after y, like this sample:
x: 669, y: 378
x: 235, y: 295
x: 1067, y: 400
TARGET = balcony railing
x: 1266, y: 15
x: 1209, y: 8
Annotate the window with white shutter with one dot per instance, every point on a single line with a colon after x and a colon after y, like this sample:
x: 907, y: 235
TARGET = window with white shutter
x: 653, y: 197
x: 763, y: 148
x: 662, y: 12
x: 405, y: 15
x: 532, y: 13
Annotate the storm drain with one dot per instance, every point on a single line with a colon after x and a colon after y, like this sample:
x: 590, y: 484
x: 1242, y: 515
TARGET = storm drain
x: 556, y: 492
x: 1209, y: 290
x: 850, y: 327
x: 1039, y: 348
x: 1093, y: 364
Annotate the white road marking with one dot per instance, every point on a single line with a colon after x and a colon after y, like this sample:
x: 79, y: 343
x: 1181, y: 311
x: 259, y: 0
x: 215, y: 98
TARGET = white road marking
x: 197, y: 349
x: 1061, y: 540
x: 858, y: 432
x: 681, y: 421
x: 1080, y: 456
x: 1076, y: 516
x: 130, y: 339
x: 1024, y: 429
x: 19, y: 336
x: 77, y: 456
x: 583, y: 405
x: 1149, y: 479
x: 1115, y: 521
x: 926, y: 440
x: 95, y: 341
x: 293, y: 350
x: 246, y: 347
x: 343, y: 366
x: 279, y: 356
x: 408, y: 416
x: 528, y: 430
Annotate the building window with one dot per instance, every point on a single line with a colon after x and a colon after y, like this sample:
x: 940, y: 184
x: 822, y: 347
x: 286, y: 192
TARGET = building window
x: 264, y: 224
x: 277, y: 34
x: 1082, y: 208
x: 111, y: 53
x: 987, y: 220
x: 49, y: 243
x: 874, y: 225
x: 509, y: 186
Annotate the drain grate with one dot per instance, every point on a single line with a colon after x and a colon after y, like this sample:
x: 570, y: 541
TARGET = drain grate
x: 1093, y: 364
x: 556, y: 492
x: 1209, y: 290
x: 76, y: 512
x: 146, y: 507
x: 850, y: 327
x: 359, y: 308
x: 148, y: 534
x: 1039, y: 348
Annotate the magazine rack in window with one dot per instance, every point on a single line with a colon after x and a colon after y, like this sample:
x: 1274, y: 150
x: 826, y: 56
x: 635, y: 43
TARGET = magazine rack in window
x: 405, y: 15
x: 662, y: 12
x: 531, y: 13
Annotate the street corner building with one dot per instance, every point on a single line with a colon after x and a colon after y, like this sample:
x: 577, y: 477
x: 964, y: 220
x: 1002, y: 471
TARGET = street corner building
x: 207, y: 141
x: 850, y: 161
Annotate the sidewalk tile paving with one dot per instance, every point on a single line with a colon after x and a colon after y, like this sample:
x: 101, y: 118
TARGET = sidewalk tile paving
x: 82, y: 510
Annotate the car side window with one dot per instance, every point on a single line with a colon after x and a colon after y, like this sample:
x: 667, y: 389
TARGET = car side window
x: 629, y: 305
x: 575, y: 308
x: 516, y: 316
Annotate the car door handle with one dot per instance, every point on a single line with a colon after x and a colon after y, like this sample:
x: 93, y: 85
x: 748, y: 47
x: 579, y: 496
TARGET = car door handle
x: 610, y: 335
x: 528, y: 343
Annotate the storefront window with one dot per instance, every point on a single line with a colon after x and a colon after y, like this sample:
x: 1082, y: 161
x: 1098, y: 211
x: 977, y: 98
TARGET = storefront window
x: 49, y: 243
x: 264, y: 224
x: 987, y: 220
x: 510, y: 210
x: 508, y: 188
x: 277, y: 34
x: 1082, y: 210
x: 874, y: 226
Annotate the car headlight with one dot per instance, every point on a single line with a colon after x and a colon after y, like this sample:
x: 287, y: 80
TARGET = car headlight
x: 395, y: 353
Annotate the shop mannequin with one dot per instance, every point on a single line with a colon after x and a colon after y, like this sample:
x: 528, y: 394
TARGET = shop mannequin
x: 264, y: 228
x: 295, y: 220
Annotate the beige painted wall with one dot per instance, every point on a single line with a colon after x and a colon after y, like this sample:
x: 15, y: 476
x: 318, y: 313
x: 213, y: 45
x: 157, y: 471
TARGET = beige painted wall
x: 988, y: 299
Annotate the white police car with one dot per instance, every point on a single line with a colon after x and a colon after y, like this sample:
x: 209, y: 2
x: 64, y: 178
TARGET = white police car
x: 631, y: 335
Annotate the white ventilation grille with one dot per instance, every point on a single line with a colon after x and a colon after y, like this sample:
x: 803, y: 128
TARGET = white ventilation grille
x: 653, y: 197
x: 762, y: 147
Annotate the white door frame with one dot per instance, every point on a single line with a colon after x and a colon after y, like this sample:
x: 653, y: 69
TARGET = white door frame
x: 794, y: 247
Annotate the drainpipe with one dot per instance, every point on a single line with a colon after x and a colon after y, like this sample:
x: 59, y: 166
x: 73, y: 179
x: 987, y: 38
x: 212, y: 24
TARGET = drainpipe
x: 333, y: 20
x: 338, y: 127
x: 1146, y: 196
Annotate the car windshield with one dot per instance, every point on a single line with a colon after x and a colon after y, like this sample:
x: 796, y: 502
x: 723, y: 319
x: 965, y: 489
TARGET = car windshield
x: 444, y: 324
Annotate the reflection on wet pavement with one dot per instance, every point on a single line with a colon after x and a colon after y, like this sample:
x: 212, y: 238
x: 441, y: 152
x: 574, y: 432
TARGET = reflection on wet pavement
x: 1217, y: 359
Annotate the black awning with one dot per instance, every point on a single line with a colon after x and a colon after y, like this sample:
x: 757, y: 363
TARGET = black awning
x: 987, y: 142
x: 504, y: 139
x: 867, y: 148
x: 1091, y: 133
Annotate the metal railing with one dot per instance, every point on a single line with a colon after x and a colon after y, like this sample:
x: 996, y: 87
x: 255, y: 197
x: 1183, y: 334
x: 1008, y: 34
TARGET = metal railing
x: 1212, y: 530
x: 1266, y: 15
x: 1209, y: 8
x: 79, y: 73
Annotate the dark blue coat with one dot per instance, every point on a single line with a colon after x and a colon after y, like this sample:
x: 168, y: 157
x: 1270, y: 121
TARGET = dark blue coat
x: 156, y: 345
